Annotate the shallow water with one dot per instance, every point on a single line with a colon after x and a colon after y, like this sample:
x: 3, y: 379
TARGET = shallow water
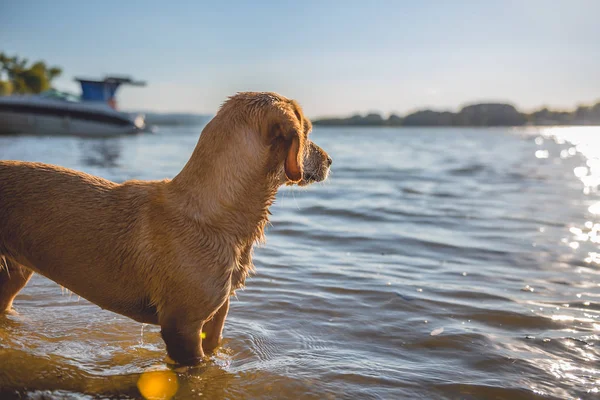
x: 435, y: 263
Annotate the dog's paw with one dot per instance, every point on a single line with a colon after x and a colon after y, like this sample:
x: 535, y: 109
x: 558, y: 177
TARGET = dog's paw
x: 10, y: 311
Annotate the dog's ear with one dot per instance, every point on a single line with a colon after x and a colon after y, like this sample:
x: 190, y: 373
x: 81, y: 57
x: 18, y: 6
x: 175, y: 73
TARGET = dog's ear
x: 290, y: 130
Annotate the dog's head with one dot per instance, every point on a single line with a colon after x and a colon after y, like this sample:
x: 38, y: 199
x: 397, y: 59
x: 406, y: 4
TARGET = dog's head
x: 288, y: 134
x: 284, y: 130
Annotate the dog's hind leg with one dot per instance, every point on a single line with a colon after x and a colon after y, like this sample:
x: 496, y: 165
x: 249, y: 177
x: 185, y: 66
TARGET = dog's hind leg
x: 13, y: 278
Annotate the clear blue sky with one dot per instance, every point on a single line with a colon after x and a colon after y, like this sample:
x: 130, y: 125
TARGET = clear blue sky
x: 335, y: 57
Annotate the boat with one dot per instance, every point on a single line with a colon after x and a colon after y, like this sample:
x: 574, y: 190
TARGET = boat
x: 53, y: 112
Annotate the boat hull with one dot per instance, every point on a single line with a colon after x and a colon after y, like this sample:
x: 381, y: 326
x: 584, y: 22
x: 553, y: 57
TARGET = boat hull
x: 36, y: 118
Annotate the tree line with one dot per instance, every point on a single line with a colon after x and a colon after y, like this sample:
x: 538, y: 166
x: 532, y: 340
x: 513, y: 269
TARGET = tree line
x: 486, y: 114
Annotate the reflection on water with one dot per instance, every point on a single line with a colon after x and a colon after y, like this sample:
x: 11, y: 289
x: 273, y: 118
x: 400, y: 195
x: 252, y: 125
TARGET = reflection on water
x: 585, y: 141
x: 103, y: 153
x: 435, y: 263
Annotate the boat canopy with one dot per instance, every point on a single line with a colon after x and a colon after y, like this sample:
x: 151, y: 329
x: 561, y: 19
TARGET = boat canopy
x: 104, y: 90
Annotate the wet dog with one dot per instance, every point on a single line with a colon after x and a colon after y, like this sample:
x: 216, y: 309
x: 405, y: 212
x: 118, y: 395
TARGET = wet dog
x: 165, y: 252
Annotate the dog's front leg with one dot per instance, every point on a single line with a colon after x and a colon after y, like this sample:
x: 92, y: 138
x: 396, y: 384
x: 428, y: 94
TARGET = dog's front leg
x: 213, y: 328
x: 183, y: 339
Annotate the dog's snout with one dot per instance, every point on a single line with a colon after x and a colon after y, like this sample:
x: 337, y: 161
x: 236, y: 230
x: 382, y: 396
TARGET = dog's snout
x: 329, y: 161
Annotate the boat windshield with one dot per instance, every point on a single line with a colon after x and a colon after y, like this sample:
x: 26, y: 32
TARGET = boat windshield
x: 58, y: 95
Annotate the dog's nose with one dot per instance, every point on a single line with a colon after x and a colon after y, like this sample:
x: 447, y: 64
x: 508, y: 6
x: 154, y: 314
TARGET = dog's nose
x: 329, y: 161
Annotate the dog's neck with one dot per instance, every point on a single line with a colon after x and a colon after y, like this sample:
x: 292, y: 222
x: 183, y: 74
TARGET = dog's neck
x: 225, y: 184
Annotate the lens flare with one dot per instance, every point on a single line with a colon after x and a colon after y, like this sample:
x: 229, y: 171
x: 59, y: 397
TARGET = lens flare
x: 158, y: 385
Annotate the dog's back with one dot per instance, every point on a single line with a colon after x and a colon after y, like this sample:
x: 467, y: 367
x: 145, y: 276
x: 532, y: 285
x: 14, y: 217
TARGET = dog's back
x: 55, y: 221
x: 47, y: 200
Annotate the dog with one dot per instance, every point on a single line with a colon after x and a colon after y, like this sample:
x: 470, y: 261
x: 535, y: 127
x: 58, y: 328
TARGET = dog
x: 170, y: 252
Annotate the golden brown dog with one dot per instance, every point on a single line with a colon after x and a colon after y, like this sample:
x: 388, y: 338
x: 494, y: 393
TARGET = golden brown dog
x: 163, y: 252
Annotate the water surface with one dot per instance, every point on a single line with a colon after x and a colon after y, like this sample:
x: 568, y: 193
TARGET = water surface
x: 435, y: 263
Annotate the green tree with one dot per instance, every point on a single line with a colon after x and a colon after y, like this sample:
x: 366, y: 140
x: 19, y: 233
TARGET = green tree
x: 6, y: 88
x: 24, y: 79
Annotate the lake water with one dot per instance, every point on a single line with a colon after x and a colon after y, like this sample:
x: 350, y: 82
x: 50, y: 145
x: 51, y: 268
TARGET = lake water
x: 434, y: 263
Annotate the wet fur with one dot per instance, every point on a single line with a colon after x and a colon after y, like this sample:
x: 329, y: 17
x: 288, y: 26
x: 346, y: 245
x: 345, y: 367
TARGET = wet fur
x: 165, y: 252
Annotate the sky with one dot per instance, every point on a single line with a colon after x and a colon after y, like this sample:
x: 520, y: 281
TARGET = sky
x: 334, y: 57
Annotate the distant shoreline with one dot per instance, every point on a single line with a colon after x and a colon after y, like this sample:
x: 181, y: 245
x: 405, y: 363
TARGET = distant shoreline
x: 475, y: 115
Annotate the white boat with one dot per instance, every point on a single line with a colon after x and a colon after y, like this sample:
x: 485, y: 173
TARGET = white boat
x: 58, y: 113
